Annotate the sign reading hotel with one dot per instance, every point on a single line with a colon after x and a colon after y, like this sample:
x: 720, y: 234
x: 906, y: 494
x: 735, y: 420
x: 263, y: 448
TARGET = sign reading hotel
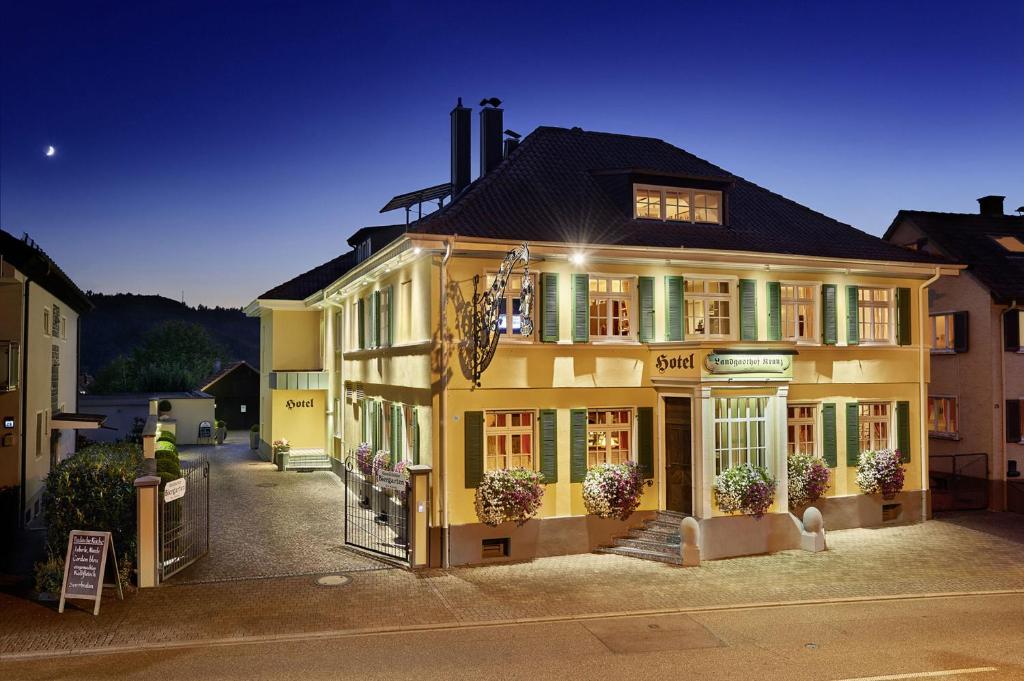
x: 748, y: 365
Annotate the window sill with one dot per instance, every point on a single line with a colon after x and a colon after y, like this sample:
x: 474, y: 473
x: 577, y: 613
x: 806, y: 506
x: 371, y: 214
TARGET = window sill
x: 944, y: 436
x: 613, y: 341
x: 943, y: 352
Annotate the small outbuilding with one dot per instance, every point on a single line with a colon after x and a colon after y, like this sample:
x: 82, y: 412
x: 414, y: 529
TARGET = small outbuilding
x: 236, y: 390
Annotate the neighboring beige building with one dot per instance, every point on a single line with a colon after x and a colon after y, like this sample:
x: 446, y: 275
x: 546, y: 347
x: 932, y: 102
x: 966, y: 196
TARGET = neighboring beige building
x: 977, y: 360
x: 39, y: 341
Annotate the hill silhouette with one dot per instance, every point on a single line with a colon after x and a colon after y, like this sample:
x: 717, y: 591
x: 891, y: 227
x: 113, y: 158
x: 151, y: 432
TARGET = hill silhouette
x: 120, y: 319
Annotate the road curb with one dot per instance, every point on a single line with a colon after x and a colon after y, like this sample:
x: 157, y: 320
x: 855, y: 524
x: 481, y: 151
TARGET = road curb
x: 414, y: 628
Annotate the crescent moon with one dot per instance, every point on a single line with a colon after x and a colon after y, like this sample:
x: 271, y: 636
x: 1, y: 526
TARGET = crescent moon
x: 50, y: 151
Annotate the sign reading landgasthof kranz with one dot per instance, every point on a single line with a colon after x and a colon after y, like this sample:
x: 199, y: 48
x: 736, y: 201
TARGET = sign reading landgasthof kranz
x: 84, y: 567
x: 392, y: 480
x: 731, y: 364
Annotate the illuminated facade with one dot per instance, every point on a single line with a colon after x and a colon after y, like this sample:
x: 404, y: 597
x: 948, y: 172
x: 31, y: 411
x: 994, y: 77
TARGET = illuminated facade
x: 685, y: 319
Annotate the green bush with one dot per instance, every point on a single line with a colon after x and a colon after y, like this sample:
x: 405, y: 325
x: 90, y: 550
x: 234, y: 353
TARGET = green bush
x: 166, y: 446
x: 255, y: 428
x: 163, y: 406
x: 94, y: 490
x: 221, y: 424
x: 168, y: 469
x: 166, y: 436
x: 50, y: 575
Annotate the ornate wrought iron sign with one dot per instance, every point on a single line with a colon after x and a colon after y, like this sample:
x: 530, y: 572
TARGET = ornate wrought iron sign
x: 489, y: 308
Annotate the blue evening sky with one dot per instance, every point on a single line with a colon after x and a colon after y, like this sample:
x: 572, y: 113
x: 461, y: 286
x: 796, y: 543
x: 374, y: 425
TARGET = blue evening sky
x: 219, y: 148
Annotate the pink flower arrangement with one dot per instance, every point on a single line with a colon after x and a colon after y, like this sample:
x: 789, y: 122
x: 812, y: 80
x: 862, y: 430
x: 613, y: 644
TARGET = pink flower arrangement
x: 745, y: 489
x: 364, y: 458
x: 808, y: 478
x: 509, y: 494
x: 881, y: 472
x: 613, y: 490
x: 379, y: 463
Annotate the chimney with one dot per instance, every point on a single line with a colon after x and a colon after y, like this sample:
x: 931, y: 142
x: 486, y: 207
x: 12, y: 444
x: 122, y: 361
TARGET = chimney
x: 490, y: 134
x: 511, y: 141
x: 461, y: 143
x: 992, y: 206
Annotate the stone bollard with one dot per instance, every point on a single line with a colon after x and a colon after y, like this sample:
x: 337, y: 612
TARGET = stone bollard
x: 689, y: 544
x: 812, y: 538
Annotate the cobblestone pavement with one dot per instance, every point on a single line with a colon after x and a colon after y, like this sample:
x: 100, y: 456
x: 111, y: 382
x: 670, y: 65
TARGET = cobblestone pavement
x: 962, y: 553
x: 268, y: 523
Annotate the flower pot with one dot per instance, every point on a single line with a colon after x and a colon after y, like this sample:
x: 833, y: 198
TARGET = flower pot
x: 254, y: 440
x: 282, y: 460
x: 888, y: 496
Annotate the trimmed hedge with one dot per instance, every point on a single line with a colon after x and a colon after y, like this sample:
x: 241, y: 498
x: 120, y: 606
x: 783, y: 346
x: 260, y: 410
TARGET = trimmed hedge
x: 166, y: 436
x: 255, y: 428
x: 166, y: 446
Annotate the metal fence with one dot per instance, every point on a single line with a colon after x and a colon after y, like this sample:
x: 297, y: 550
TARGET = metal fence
x: 185, y: 522
x: 958, y: 482
x: 376, y: 520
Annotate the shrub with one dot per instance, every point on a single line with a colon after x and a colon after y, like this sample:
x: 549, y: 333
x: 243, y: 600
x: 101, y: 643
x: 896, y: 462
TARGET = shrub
x: 509, y: 494
x: 166, y: 446
x: 613, y: 490
x: 221, y: 424
x: 163, y: 406
x: 49, y: 575
x: 745, y: 489
x: 255, y: 428
x: 880, y: 472
x: 94, y: 490
x: 808, y: 479
x: 168, y: 467
x: 166, y: 435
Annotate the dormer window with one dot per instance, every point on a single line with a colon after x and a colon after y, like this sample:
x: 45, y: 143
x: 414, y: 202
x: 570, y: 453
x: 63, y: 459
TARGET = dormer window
x: 363, y: 250
x: 1009, y: 242
x: 677, y: 204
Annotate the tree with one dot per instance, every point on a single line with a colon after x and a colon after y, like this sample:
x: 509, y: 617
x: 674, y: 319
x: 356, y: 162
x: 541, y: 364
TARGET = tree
x: 172, y: 356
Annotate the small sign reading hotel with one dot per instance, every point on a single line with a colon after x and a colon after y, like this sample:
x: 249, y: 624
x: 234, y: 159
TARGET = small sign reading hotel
x: 729, y: 364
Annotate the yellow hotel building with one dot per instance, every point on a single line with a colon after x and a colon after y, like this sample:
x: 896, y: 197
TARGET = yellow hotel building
x: 685, y: 318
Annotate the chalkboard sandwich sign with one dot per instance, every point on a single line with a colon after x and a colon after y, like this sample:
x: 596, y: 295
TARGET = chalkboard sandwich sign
x: 84, y: 567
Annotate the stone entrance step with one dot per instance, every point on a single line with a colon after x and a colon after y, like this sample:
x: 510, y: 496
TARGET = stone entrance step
x: 308, y: 459
x: 657, y: 540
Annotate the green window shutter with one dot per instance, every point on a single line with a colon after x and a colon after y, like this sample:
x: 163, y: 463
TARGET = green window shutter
x: 549, y: 307
x: 378, y: 425
x: 852, y: 434
x: 774, y: 311
x: 903, y: 320
x: 361, y: 315
x: 903, y: 430
x: 828, y: 434
x: 673, y: 308
x: 829, y: 325
x: 577, y: 445
x: 961, y: 331
x: 364, y: 422
x: 645, y: 441
x: 580, y: 308
x: 1013, y: 421
x: 549, y: 445
x: 748, y: 310
x: 474, y: 446
x: 375, y: 320
x: 852, y: 321
x: 645, y: 287
x: 414, y: 446
x: 390, y: 340
x: 396, y: 432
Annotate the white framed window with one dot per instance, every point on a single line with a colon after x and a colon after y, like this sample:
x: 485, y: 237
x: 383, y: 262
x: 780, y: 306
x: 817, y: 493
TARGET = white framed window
x: 740, y: 427
x: 876, y: 313
x: 339, y: 330
x: 609, y: 436
x: 404, y: 308
x: 802, y: 429
x: 942, y: 332
x: 677, y: 204
x: 708, y: 307
x: 509, y: 440
x: 799, y: 305
x: 63, y: 327
x: 384, y: 315
x: 510, y: 320
x: 47, y: 327
x: 611, y: 307
x: 943, y: 416
x: 875, y: 425
x: 10, y: 365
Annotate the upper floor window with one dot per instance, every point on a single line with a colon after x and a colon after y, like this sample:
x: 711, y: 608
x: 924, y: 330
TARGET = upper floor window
x: 942, y: 332
x: 510, y: 319
x: 609, y: 436
x: 611, y: 302
x: 798, y: 306
x: 677, y: 204
x: 47, y: 328
x: 943, y: 416
x: 800, y: 423
x: 875, y: 313
x: 708, y: 306
x: 385, y: 335
x: 10, y: 365
x: 874, y: 426
x: 363, y: 250
x: 1010, y: 243
x: 509, y: 438
x: 57, y: 322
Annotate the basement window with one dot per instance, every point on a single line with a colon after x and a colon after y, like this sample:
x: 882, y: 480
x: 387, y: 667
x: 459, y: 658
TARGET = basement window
x: 495, y: 548
x: 891, y: 512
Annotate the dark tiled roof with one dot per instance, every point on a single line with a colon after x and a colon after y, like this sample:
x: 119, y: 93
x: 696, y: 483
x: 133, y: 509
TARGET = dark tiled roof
x: 225, y: 371
x: 308, y: 283
x: 34, y: 263
x: 967, y: 238
x: 556, y: 187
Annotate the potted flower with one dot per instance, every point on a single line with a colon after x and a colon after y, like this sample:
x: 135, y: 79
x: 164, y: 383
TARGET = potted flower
x: 221, y: 432
x: 281, y: 449
x: 364, y: 458
x: 613, y: 490
x: 509, y: 494
x: 163, y: 407
x: 808, y: 478
x: 881, y: 472
x: 745, y: 489
x: 379, y: 463
x: 254, y: 437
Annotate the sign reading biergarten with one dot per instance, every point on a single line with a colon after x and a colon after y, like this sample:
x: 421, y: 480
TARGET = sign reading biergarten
x: 729, y: 364
x: 84, y: 568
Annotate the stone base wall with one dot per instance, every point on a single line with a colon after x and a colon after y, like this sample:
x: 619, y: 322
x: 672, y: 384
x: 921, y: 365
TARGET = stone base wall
x: 743, y: 535
x: 867, y: 510
x: 540, y: 537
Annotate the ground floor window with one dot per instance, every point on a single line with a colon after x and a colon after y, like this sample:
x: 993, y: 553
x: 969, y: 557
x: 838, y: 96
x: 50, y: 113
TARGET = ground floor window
x: 509, y: 438
x: 740, y: 427
x: 800, y: 426
x: 943, y: 416
x: 874, y: 426
x: 609, y: 436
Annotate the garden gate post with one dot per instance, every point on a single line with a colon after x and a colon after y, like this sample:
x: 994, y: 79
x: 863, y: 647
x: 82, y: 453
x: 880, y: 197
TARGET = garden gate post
x: 419, y: 515
x: 147, y: 492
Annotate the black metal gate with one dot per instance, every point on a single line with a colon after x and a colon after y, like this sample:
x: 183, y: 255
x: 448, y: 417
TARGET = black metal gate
x: 376, y: 519
x: 958, y: 482
x: 185, y: 521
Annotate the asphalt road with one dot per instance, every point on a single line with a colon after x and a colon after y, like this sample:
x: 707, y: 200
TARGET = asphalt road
x: 980, y: 638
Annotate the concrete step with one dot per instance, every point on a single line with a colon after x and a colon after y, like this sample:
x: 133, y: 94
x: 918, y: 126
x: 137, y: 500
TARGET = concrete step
x: 645, y: 554
x: 648, y: 544
x: 648, y: 534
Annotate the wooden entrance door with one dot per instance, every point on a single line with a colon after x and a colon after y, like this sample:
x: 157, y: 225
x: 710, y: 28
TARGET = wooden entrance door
x: 678, y: 456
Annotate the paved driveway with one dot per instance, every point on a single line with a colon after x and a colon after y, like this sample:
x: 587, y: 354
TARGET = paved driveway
x: 266, y: 523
